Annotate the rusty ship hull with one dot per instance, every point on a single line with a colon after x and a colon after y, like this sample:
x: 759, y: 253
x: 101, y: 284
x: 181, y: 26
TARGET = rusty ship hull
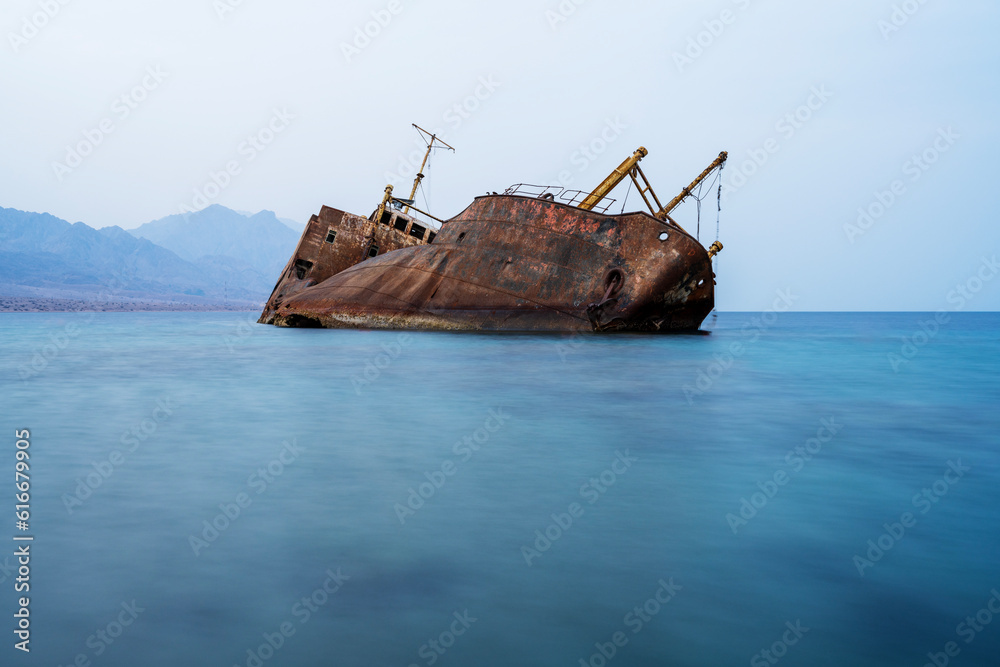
x: 507, y: 263
x: 517, y: 261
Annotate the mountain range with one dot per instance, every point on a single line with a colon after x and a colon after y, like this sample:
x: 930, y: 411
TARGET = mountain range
x: 213, y: 256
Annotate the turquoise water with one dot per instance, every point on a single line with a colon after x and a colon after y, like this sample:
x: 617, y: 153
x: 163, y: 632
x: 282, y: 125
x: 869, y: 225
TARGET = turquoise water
x: 376, y: 496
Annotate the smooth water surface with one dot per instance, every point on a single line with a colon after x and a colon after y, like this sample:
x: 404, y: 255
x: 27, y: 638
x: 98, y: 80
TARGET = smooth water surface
x: 505, y: 499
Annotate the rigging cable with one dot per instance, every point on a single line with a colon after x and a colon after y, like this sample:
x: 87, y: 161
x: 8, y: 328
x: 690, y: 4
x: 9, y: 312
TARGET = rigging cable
x: 626, y: 196
x: 718, y: 212
x: 423, y: 188
x: 698, y: 233
x: 698, y: 198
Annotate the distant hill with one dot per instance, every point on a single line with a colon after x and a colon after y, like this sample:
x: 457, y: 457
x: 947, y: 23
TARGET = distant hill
x: 259, y: 243
x: 294, y: 224
x: 44, y: 256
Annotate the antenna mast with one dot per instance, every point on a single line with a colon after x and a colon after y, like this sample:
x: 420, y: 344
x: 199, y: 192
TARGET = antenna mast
x: 430, y: 147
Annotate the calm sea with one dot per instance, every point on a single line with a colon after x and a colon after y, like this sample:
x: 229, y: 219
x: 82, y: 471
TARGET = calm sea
x: 802, y: 489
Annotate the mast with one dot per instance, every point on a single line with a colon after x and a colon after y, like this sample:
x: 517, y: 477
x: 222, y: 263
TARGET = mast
x: 420, y: 174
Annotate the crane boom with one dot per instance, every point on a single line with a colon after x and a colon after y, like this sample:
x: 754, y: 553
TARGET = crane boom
x: 616, y: 177
x: 687, y: 192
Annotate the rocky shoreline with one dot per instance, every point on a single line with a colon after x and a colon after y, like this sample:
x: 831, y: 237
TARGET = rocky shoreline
x: 13, y: 304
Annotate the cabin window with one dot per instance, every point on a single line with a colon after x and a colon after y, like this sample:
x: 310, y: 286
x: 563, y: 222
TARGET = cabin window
x: 664, y: 236
x: 417, y: 232
x: 430, y: 239
x: 373, y: 251
x: 302, y: 267
x: 461, y: 236
x: 386, y: 217
x: 401, y: 223
x: 331, y: 236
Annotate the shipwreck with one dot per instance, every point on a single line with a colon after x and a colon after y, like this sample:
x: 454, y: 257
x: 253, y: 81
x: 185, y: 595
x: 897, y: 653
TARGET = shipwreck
x: 533, y: 258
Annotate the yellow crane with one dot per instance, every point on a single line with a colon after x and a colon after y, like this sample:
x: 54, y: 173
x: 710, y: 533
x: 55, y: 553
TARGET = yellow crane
x: 630, y: 167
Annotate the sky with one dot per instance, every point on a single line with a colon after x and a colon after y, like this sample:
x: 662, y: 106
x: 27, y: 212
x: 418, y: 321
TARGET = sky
x: 862, y: 134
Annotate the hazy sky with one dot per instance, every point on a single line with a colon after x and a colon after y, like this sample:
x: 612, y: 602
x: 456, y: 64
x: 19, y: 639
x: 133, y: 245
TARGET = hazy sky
x: 118, y: 112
